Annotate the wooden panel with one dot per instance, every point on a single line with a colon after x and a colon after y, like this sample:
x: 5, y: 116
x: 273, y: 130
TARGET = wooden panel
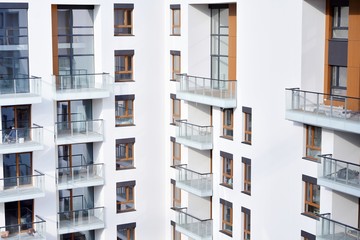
x: 55, y: 50
x: 354, y: 20
x: 328, y: 20
x: 232, y: 41
x: 353, y: 87
x: 353, y: 54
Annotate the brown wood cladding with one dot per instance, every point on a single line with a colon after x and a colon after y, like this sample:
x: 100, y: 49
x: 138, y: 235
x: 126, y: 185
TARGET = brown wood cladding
x: 232, y: 41
x: 328, y: 21
x: 55, y: 50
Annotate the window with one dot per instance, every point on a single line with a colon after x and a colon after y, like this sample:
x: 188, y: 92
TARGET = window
x: 124, y: 65
x: 176, y: 195
x: 125, y: 153
x: 124, y: 110
x: 175, y: 234
x: 176, y: 152
x: 126, y: 231
x: 247, y: 175
x: 312, y: 195
x: 226, y: 217
x: 175, y: 109
x: 247, y: 223
x: 227, y: 169
x: 175, y: 64
x: 313, y: 142
x: 338, y: 81
x: 340, y: 24
x: 123, y: 19
x: 175, y: 19
x: 125, y: 196
x: 307, y: 236
x: 228, y: 125
x: 247, y: 125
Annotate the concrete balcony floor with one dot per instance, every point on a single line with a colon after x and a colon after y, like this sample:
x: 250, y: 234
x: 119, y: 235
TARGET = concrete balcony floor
x: 21, y: 193
x: 78, y: 225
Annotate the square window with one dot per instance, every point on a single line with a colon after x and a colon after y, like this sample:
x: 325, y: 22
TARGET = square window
x: 126, y: 231
x: 338, y: 84
x: 175, y: 64
x: 124, y: 65
x: 247, y: 175
x: 228, y: 123
x: 312, y: 196
x: 124, y: 110
x: 125, y: 196
x: 123, y: 19
x: 247, y: 223
x: 226, y: 217
x: 247, y: 112
x: 175, y: 19
x: 125, y: 153
x: 313, y: 142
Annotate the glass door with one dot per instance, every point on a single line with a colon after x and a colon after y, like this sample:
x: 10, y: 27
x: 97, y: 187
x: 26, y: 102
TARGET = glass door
x: 19, y: 216
x: 17, y: 169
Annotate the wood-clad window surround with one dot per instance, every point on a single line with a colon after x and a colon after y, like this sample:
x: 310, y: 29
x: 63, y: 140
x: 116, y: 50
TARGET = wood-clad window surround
x: 125, y: 153
x: 247, y: 175
x: 176, y: 195
x: 126, y: 231
x: 175, y: 109
x: 124, y: 110
x: 313, y: 142
x: 311, y: 196
x: 247, y: 121
x: 123, y: 23
x: 125, y: 199
x: 227, y: 169
x: 228, y: 123
x: 175, y: 19
x: 175, y: 64
x: 176, y: 152
x: 124, y: 70
x: 226, y: 217
x: 247, y: 223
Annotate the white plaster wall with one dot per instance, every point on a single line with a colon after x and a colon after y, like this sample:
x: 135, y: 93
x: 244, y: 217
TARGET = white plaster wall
x: 199, y: 161
x: 345, y: 209
x: 347, y: 147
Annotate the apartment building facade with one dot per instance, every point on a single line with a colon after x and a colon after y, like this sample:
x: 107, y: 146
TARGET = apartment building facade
x: 179, y: 119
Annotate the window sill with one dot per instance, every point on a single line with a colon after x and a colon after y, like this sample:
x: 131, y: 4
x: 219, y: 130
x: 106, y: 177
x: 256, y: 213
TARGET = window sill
x: 124, y: 35
x: 129, y: 168
x: 247, y: 193
x: 173, y: 80
x: 226, y: 233
x: 125, y: 125
x: 125, y: 211
x: 175, y: 35
x: 174, y: 124
x: 247, y: 143
x: 311, y: 159
x: 226, y: 185
x: 124, y: 81
x: 310, y: 215
x: 227, y: 137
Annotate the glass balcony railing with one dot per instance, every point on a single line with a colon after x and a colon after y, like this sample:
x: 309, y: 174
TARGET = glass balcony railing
x: 80, y: 220
x: 199, y: 184
x: 328, y: 229
x: 21, y: 139
x: 199, y: 137
x: 22, y: 187
x: 80, y: 176
x: 214, y: 92
x: 28, y: 229
x: 20, y: 85
x: 324, y: 110
x: 191, y: 226
x: 339, y: 175
x: 79, y: 131
x: 82, y: 86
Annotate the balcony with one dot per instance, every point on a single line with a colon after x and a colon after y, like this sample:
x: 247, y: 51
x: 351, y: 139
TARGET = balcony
x: 323, y: 110
x: 213, y: 92
x: 17, y: 140
x: 196, y: 183
x: 339, y: 175
x: 195, y: 136
x: 81, y: 86
x: 82, y: 131
x: 22, y: 187
x: 193, y: 227
x: 19, y: 90
x: 80, y: 176
x: 328, y: 229
x: 28, y: 230
x: 80, y: 220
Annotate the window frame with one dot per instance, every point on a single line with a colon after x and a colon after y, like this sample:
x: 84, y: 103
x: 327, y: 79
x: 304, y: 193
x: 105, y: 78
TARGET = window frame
x: 129, y: 153
x: 176, y: 195
x: 128, y: 187
x: 128, y: 59
x: 129, y: 228
x: 309, y: 184
x: 174, y: 27
x: 175, y: 105
x: 247, y: 125
x: 175, y: 69
x: 246, y: 176
x: 227, y: 177
x: 310, y: 146
x: 228, y: 127
x: 335, y: 82
x: 175, y: 234
x: 246, y: 223
x: 176, y: 159
x: 126, y: 9
x: 225, y: 205
x: 336, y: 19
x: 129, y: 105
